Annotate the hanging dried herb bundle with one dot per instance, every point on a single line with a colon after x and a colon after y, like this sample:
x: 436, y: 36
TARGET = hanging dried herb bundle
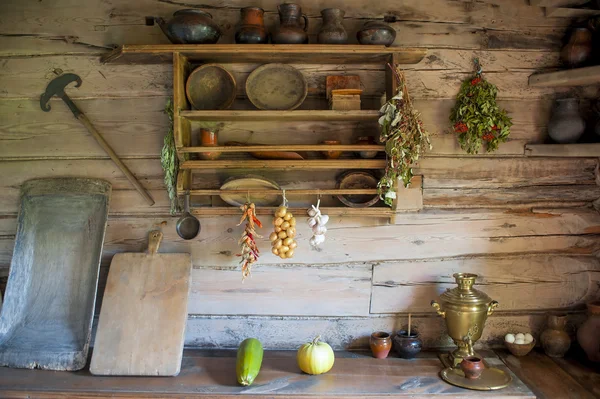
x: 476, y: 118
x: 404, y: 136
x: 169, y: 160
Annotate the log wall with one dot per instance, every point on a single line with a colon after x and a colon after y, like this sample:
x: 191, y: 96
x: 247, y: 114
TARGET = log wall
x: 526, y: 226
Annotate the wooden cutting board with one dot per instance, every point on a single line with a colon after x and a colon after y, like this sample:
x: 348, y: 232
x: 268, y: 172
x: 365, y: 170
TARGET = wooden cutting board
x: 144, y: 312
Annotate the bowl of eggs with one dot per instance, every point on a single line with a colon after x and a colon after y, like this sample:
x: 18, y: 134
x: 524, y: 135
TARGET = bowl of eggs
x: 519, y: 344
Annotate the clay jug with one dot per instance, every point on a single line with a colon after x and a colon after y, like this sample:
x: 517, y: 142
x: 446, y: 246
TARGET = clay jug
x: 566, y: 124
x: 190, y: 27
x: 332, y: 31
x: 555, y: 340
x: 290, y: 30
x: 588, y: 334
x: 578, y: 49
x: 251, y: 29
x: 381, y: 344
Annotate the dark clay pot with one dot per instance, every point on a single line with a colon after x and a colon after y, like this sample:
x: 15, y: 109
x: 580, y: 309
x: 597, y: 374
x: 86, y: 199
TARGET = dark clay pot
x: 251, y: 29
x: 472, y: 367
x: 376, y: 32
x: 588, y: 334
x: 407, y: 346
x: 290, y: 30
x: 332, y: 31
x: 566, y: 124
x: 578, y: 49
x: 190, y: 27
x: 555, y: 340
x: 381, y: 344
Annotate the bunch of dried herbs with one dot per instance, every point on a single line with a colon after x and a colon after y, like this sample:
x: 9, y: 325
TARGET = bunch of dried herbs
x: 476, y: 117
x: 169, y: 161
x: 404, y: 136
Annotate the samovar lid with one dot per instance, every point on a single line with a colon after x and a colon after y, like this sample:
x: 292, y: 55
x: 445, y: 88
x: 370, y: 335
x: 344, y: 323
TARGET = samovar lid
x: 465, y: 293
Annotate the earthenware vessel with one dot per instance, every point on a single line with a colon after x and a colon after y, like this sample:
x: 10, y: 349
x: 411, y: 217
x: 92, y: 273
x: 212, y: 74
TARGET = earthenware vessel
x: 555, y: 340
x: 208, y: 138
x: 251, y: 29
x: 579, y: 47
x: 290, y: 30
x: 472, y: 367
x: 566, y: 124
x: 588, y: 334
x: 380, y: 344
x: 331, y: 154
x: 407, y: 346
x: 465, y: 310
x: 596, y: 117
x: 332, y: 31
x: 366, y: 140
x: 376, y: 32
x: 190, y: 26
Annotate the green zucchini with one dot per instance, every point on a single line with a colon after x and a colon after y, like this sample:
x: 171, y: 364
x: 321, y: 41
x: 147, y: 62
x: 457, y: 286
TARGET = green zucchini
x: 249, y: 360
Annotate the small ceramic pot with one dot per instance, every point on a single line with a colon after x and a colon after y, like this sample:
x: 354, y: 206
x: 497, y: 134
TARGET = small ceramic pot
x: 407, y: 346
x: 332, y: 31
x: 555, y: 340
x: 332, y: 154
x: 290, y: 30
x: 472, y: 367
x: 381, y: 344
x: 208, y: 138
x: 376, y: 33
x: 190, y: 26
x: 366, y: 140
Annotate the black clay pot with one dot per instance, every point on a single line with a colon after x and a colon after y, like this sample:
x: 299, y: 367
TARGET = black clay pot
x: 190, y: 27
x: 407, y: 346
x: 376, y: 33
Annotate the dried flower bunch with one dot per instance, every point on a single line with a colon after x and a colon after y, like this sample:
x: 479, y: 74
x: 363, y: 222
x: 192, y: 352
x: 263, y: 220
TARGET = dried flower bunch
x: 404, y: 136
x: 476, y: 117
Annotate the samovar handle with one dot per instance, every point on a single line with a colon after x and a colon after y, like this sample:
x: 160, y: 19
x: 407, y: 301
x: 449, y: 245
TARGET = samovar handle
x: 493, y: 305
x: 438, y: 309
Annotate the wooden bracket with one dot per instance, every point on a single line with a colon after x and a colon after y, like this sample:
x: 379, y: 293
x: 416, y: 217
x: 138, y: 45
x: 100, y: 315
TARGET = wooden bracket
x: 408, y: 199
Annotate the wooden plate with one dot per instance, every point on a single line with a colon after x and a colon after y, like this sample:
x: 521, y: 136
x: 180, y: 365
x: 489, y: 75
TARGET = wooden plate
x: 210, y: 86
x: 268, y: 154
x: 276, y: 87
x: 356, y: 180
x: 251, y: 182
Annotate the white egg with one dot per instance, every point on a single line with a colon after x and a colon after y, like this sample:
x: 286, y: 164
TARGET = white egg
x: 520, y: 336
x: 509, y: 338
x: 323, y: 220
x: 528, y: 338
x: 519, y: 341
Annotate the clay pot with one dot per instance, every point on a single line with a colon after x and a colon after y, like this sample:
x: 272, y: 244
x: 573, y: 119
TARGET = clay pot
x: 190, y: 27
x: 208, y: 138
x: 407, y: 346
x: 366, y: 140
x: 579, y: 47
x: 596, y: 117
x: 588, y: 334
x: 555, y: 340
x: 332, y: 154
x: 332, y: 31
x: 566, y: 124
x: 380, y: 344
x: 290, y: 30
x: 376, y: 32
x: 251, y: 29
x: 472, y: 367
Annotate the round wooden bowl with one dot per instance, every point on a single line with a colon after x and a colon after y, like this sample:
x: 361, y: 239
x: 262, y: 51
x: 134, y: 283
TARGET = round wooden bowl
x: 210, y: 86
x: 357, y: 180
x: 520, y: 349
x: 276, y: 87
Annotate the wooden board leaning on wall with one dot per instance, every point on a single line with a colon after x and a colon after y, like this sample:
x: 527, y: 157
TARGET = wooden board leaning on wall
x: 434, y: 23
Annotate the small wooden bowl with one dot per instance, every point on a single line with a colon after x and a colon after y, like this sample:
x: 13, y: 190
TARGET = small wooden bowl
x: 210, y: 86
x: 520, y: 349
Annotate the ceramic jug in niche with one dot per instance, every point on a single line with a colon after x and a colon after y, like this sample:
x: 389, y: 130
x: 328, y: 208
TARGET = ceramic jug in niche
x: 566, y: 124
x: 290, y: 30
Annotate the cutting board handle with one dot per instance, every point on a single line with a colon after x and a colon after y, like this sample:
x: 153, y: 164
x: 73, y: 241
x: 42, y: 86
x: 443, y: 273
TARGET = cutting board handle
x: 154, y: 239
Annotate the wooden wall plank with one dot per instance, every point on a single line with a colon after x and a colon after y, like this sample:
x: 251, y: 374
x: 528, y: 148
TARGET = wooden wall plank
x: 275, y: 333
x: 518, y: 283
x: 308, y: 291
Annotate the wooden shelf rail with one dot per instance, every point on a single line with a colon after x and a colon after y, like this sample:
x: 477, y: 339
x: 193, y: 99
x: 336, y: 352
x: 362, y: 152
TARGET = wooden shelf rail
x: 581, y: 150
x: 286, y: 164
x: 570, y: 77
x: 331, y: 211
x: 291, y: 192
x: 272, y: 148
x: 281, y: 116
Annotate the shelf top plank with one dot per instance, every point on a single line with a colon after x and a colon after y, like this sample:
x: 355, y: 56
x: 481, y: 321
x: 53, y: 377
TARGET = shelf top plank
x: 286, y: 164
x: 284, y: 147
x: 581, y: 150
x: 281, y: 116
x: 570, y: 77
x: 383, y: 212
x: 262, y: 53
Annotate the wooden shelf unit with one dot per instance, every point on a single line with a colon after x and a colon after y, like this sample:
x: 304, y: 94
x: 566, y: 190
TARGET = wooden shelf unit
x: 579, y: 150
x: 183, y: 56
x: 570, y: 77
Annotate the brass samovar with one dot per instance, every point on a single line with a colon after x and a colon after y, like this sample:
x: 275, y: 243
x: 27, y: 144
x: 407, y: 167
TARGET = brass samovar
x: 465, y: 310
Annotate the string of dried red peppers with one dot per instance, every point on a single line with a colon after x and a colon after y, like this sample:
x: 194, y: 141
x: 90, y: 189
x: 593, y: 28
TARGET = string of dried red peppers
x: 247, y: 243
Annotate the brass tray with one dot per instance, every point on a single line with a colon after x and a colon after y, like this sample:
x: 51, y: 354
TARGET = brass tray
x: 491, y: 379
